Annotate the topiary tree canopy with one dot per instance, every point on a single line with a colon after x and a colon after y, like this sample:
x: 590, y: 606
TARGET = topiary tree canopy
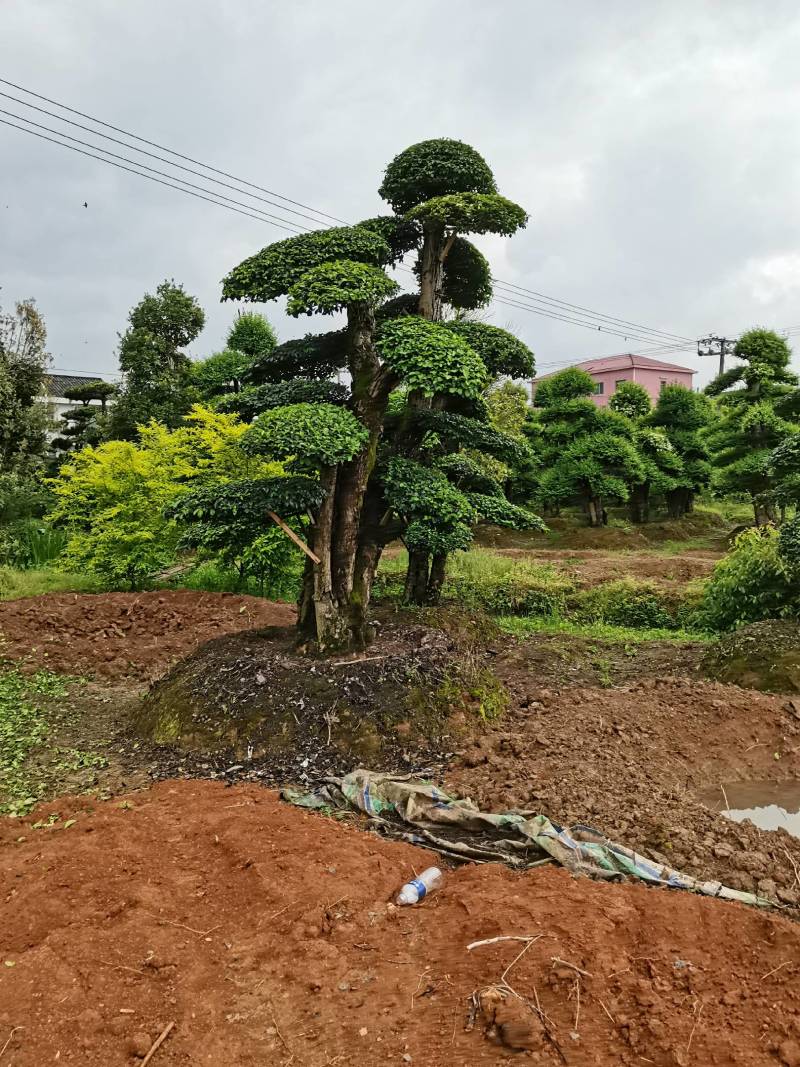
x: 588, y: 453
x: 366, y: 453
x: 684, y: 416
x: 751, y: 399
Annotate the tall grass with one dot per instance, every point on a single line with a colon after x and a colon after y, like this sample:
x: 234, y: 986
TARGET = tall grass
x: 15, y: 584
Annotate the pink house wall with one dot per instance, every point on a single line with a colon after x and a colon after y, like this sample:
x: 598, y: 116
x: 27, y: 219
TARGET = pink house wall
x: 648, y: 377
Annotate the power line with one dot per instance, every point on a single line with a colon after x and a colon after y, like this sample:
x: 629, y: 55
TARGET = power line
x: 595, y: 314
x: 154, y: 144
x: 278, y: 220
x: 516, y: 296
x: 142, y: 151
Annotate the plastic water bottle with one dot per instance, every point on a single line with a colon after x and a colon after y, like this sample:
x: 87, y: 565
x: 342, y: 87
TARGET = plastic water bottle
x: 418, y: 888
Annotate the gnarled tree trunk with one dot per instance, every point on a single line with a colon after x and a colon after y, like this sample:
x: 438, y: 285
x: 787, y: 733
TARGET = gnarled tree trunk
x: 639, y: 504
x: 595, y: 510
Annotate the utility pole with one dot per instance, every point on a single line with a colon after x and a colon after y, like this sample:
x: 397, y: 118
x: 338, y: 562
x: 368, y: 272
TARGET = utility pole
x: 716, y: 346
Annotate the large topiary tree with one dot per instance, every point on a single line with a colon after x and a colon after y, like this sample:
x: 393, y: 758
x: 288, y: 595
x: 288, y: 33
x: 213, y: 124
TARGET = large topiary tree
x: 368, y: 462
x: 751, y: 399
x: 684, y: 416
x: 588, y: 453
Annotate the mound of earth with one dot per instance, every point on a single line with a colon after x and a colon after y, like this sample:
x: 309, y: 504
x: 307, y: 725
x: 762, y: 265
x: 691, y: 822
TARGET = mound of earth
x: 266, y: 936
x: 114, y: 635
x: 633, y: 761
x: 253, y: 695
x: 764, y: 655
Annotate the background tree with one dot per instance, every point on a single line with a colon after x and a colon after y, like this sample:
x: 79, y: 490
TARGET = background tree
x: 157, y: 378
x: 588, y: 453
x: 23, y: 415
x: 751, y: 426
x: 661, y: 464
x: 363, y: 461
x: 250, y: 337
x: 87, y: 424
x: 785, y: 472
x: 685, y: 417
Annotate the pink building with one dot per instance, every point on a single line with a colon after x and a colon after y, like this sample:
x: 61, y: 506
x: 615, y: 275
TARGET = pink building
x: 611, y: 371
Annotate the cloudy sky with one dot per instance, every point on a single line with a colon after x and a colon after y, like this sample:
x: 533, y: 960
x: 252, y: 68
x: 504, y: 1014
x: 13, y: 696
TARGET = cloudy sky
x: 655, y: 146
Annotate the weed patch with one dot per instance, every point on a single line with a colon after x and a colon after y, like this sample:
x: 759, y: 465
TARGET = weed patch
x: 23, y: 727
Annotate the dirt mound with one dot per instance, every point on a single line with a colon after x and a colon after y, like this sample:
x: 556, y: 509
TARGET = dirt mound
x: 255, y: 698
x: 265, y: 935
x: 135, y: 635
x: 764, y: 655
x: 632, y: 761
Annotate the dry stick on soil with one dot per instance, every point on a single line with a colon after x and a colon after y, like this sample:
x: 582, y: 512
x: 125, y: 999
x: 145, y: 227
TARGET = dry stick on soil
x: 577, y: 1001
x: 8, y: 1039
x: 605, y: 1009
x: 283, y: 1040
x: 698, y: 1013
x: 159, y: 1041
x: 510, y: 937
x: 775, y: 969
x: 564, y: 963
x: 725, y: 798
x: 182, y: 926
x: 794, y: 865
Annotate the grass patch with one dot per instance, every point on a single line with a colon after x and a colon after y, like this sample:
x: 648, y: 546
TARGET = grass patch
x: 600, y: 631
x: 23, y: 727
x: 15, y: 584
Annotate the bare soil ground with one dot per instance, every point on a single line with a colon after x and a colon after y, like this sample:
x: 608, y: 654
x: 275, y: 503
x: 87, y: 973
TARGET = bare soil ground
x: 125, y: 635
x: 266, y: 935
x: 591, y: 567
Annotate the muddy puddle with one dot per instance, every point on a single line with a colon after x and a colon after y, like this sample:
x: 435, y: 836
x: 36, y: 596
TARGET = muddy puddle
x: 769, y: 805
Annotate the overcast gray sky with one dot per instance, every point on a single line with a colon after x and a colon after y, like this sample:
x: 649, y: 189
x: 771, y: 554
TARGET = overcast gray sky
x: 655, y: 146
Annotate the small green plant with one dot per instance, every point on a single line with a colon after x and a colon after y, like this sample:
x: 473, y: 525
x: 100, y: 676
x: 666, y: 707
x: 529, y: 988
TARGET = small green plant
x: 600, y: 631
x: 23, y: 727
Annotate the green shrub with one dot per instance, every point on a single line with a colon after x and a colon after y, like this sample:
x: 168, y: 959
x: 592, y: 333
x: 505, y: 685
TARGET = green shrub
x: 481, y: 580
x: 627, y: 602
x: 15, y: 584
x: 30, y: 543
x: 751, y: 583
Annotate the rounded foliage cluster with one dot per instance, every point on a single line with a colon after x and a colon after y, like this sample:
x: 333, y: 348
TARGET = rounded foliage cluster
x: 439, y: 516
x: 273, y: 271
x: 401, y: 235
x: 317, y: 355
x: 431, y: 358
x: 472, y: 213
x: 251, y: 334
x: 256, y: 399
x: 467, y: 281
x: 332, y: 286
x: 316, y: 433
x: 434, y: 168
x: 566, y: 384
x: 631, y: 399
x: 501, y: 351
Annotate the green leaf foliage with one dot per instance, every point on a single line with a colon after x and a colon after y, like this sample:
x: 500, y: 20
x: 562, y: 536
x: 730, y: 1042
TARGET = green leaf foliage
x: 430, y: 358
x: 321, y: 434
x: 332, y: 286
x: 220, y: 373
x: 459, y: 431
x: 498, y: 511
x: 597, y: 465
x: 502, y: 352
x: 275, y: 269
x: 439, y: 516
x: 255, y: 399
x: 754, y: 581
x: 471, y: 213
x: 433, y: 168
x: 252, y: 334
x: 789, y: 544
x: 398, y: 307
x: 400, y: 234
x: 567, y: 384
x: 632, y: 400
x: 317, y: 355
x: 468, y: 476
x: 89, y: 391
x: 467, y: 281
x: 215, y: 514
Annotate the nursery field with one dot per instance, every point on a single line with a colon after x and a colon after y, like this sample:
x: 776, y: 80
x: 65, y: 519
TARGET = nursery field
x: 151, y: 873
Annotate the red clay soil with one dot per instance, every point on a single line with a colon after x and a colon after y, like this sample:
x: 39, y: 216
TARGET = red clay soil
x: 265, y: 934
x: 134, y: 635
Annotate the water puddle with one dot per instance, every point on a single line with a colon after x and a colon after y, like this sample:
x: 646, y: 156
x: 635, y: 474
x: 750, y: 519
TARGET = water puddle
x: 769, y: 805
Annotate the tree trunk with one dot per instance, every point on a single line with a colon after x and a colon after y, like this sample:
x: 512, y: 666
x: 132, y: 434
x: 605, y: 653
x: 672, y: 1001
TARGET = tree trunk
x: 434, y: 253
x: 436, y: 577
x: 639, y: 504
x: 763, y: 511
x: 594, y: 506
x: 417, y: 574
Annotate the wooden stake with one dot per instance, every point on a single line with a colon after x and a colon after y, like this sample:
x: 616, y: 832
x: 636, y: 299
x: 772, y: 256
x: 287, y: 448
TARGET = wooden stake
x: 293, y: 537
